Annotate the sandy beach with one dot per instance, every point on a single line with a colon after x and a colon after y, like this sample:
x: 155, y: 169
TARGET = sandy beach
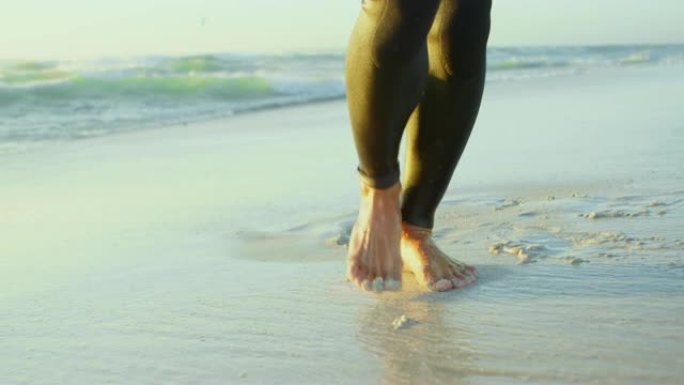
x: 213, y: 252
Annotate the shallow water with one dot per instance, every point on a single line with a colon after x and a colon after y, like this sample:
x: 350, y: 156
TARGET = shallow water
x: 186, y: 256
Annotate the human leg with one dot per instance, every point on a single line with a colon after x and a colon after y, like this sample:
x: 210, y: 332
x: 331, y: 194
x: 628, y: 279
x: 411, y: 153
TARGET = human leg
x: 387, y: 68
x: 438, y: 132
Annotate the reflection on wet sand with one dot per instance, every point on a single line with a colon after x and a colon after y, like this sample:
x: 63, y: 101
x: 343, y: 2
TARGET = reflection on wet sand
x: 427, y: 352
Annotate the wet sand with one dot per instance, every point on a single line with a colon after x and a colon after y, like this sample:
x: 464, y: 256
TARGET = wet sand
x: 213, y: 253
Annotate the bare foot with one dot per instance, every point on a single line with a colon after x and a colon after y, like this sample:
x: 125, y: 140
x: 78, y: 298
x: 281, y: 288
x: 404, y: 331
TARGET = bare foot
x: 373, y: 259
x: 432, y: 268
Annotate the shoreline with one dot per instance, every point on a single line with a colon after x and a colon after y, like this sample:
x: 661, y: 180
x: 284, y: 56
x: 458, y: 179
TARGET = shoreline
x: 502, y: 87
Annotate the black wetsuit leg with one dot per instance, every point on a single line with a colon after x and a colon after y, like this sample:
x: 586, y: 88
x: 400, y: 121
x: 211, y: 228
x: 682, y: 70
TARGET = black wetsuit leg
x: 439, y: 128
x: 386, y: 73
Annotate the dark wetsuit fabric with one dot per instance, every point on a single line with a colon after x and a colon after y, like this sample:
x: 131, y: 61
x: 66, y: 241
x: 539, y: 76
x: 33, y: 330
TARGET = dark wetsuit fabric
x: 418, y: 64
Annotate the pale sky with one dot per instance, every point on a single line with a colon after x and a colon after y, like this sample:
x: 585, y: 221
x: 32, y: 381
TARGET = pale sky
x: 31, y: 29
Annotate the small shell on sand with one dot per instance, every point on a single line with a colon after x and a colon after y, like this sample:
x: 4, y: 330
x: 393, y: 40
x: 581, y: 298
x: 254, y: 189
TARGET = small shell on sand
x: 403, y: 322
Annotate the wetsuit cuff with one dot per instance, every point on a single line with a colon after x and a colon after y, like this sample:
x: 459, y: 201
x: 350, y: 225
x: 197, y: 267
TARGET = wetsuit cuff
x: 380, y: 182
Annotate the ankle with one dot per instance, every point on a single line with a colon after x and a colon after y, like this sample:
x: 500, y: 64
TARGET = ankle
x: 409, y: 231
x: 390, y: 192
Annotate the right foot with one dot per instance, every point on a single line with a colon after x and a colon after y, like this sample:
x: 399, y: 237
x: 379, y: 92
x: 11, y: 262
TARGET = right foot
x: 373, y: 259
x: 433, y: 269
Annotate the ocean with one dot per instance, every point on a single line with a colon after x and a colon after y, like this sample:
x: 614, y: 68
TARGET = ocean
x: 63, y: 99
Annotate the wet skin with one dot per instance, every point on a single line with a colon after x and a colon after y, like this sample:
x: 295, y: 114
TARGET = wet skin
x: 381, y: 246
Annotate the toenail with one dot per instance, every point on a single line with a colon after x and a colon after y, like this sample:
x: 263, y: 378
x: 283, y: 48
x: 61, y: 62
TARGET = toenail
x: 392, y: 284
x: 367, y: 285
x: 443, y: 285
x: 378, y: 284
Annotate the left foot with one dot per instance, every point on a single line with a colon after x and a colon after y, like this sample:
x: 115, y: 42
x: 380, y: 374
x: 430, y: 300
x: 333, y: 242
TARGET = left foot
x: 373, y: 261
x: 433, y: 269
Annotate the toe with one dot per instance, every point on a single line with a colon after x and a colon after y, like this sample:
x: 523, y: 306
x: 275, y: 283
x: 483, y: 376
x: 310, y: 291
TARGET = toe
x: 365, y: 284
x: 469, y: 269
x: 471, y: 274
x: 378, y: 285
x: 392, y: 284
x: 470, y: 279
x: 459, y: 283
x: 459, y: 274
x: 354, y: 276
x: 358, y: 275
x: 442, y: 285
x: 462, y: 276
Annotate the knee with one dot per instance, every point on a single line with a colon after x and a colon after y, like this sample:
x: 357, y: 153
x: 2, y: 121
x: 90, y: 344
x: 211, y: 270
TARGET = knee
x: 465, y: 39
x: 401, y: 31
x: 396, y: 50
